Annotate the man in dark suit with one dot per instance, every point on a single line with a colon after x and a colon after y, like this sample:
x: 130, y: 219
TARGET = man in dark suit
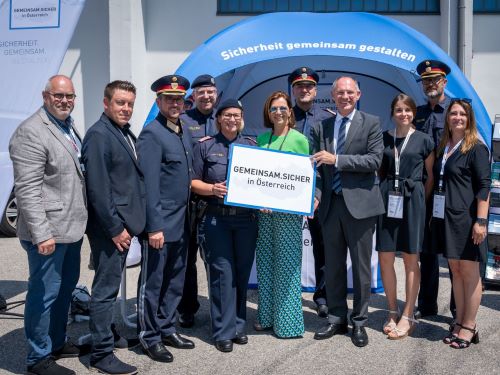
x: 164, y: 151
x: 117, y: 212
x: 348, y: 151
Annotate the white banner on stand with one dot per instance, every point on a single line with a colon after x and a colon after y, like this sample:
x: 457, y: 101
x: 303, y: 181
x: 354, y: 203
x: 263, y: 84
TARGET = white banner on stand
x: 308, y: 276
x: 35, y: 35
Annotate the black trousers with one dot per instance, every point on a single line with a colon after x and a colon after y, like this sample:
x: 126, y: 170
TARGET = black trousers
x: 341, y: 231
x: 189, y: 302
x: 229, y: 251
x: 108, y: 264
x: 429, y: 285
x: 160, y: 289
x: 319, y: 260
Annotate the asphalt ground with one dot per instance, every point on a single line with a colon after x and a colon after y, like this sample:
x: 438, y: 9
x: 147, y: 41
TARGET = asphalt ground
x: 423, y: 353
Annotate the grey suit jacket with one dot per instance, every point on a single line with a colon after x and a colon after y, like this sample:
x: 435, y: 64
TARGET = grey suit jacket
x: 49, y: 184
x: 358, y: 163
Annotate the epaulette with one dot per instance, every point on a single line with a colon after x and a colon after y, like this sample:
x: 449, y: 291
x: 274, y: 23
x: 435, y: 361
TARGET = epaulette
x: 329, y: 110
x: 251, y: 139
x: 206, y: 138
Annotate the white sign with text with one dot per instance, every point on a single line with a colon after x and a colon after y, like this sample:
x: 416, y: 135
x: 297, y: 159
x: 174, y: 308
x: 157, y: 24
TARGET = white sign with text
x: 262, y: 178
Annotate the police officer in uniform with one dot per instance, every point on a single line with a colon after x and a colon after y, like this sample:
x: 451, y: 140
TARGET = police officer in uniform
x: 200, y: 121
x: 165, y: 156
x: 304, y: 82
x: 430, y: 119
x: 227, y: 234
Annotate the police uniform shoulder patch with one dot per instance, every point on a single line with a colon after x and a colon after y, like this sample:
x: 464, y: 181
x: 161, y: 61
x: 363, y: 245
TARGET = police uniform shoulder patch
x: 204, y: 138
x: 253, y: 141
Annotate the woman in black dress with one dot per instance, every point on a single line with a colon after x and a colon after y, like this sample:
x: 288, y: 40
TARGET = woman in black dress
x: 401, y: 228
x: 458, y: 228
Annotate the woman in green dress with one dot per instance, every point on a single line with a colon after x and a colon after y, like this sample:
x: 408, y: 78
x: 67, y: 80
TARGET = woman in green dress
x: 279, y: 242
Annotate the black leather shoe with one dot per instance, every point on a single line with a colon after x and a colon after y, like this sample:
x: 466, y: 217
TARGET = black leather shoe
x: 177, y: 341
x: 225, y: 346
x: 423, y: 312
x: 113, y: 366
x: 158, y: 353
x: 186, y: 320
x: 330, y: 330
x: 241, y: 339
x: 70, y: 350
x: 322, y: 311
x: 359, y: 337
x: 48, y: 366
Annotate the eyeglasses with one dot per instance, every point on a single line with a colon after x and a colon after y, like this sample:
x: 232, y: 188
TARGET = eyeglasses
x: 349, y: 93
x: 228, y: 116
x: 170, y: 100
x: 432, y: 81
x: 61, y: 96
x: 305, y: 86
x: 276, y: 109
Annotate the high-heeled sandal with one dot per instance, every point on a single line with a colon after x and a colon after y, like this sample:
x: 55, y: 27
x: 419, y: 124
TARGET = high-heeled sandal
x: 462, y: 343
x: 388, y: 325
x: 451, y: 336
x: 398, y: 334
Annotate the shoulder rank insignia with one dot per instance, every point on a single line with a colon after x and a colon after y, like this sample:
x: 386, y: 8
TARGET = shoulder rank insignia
x: 204, y: 138
x: 250, y: 139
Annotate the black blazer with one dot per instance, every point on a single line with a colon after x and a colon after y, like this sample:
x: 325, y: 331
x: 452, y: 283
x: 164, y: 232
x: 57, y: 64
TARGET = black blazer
x: 358, y: 163
x: 115, y: 182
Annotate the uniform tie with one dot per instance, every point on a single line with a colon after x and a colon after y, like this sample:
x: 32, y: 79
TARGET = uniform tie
x: 337, y: 185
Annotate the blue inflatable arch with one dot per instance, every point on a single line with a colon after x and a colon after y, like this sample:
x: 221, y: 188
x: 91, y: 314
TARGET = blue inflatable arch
x: 253, y: 57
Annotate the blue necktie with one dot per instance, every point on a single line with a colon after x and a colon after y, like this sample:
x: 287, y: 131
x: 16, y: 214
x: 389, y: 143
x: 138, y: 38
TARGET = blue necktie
x: 337, y: 185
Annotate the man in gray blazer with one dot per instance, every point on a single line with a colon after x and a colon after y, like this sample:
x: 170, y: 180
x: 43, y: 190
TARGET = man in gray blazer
x: 348, y: 151
x: 50, y: 192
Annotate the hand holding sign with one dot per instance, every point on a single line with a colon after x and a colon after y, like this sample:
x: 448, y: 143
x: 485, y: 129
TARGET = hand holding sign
x: 219, y: 189
x: 324, y: 157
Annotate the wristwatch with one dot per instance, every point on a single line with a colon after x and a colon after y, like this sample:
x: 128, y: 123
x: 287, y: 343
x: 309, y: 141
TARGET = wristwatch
x: 481, y: 221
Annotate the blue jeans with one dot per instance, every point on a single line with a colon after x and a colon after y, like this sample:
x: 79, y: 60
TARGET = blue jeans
x: 51, y: 282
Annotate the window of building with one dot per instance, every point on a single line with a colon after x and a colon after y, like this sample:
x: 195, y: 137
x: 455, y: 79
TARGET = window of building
x: 226, y: 7
x: 486, y: 6
x: 230, y: 7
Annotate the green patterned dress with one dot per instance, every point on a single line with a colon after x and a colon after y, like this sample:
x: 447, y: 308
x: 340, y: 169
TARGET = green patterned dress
x: 279, y: 255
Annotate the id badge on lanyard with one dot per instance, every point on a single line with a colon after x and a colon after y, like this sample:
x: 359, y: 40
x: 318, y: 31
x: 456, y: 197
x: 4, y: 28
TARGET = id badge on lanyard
x: 395, y: 200
x: 439, y: 197
x: 395, y: 205
x: 438, y: 205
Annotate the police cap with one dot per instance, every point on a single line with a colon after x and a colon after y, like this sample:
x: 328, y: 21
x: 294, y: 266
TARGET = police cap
x: 303, y: 74
x: 228, y: 103
x: 170, y: 85
x: 432, y: 68
x: 205, y: 80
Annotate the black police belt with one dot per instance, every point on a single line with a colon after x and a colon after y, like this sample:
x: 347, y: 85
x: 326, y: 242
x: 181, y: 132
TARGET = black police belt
x: 407, y: 184
x: 218, y: 210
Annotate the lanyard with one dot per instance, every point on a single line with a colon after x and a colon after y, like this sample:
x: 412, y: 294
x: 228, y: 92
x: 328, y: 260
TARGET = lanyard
x: 445, y: 159
x: 271, y: 137
x: 71, y: 137
x: 397, y: 155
